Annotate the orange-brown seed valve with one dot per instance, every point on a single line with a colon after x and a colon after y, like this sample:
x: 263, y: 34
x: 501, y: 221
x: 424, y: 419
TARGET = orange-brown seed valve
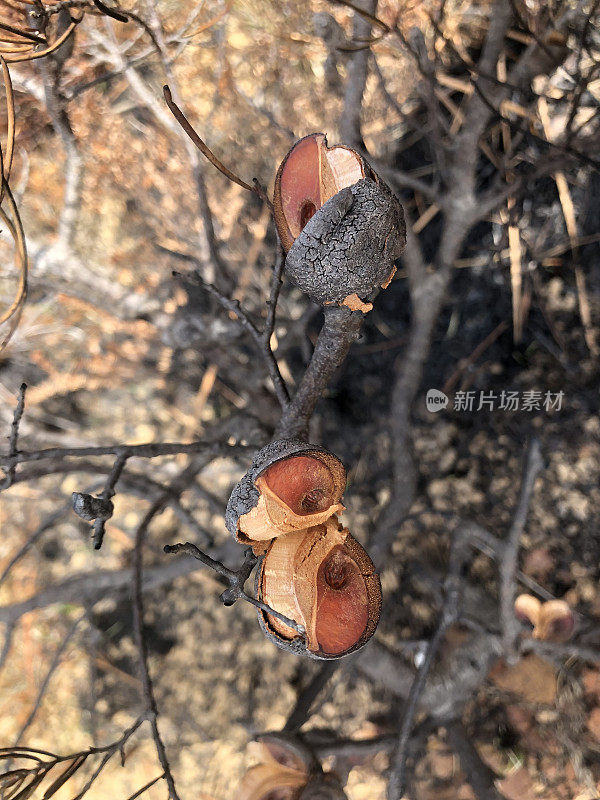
x: 294, y: 493
x: 309, y: 175
x: 323, y: 579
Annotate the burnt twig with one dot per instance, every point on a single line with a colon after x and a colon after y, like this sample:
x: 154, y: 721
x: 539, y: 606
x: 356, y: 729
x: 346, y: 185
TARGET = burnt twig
x: 510, y: 555
x: 204, y: 149
x: 149, y: 450
x: 450, y: 614
x: 301, y: 711
x: 262, y: 339
x: 100, y: 509
x: 236, y: 578
x: 14, y: 438
x: 340, y: 328
x: 184, y: 479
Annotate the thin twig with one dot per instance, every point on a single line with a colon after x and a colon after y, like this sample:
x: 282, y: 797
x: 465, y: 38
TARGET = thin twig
x: 48, y: 523
x: 14, y: 437
x: 281, y: 389
x: 510, y: 555
x: 148, y: 450
x: 235, y: 577
x: 146, y: 787
x: 262, y: 339
x: 89, y: 587
x: 302, y: 709
x: 204, y: 149
x: 44, y: 685
x: 185, y: 478
x: 107, y: 493
x: 9, y: 632
x: 138, y: 625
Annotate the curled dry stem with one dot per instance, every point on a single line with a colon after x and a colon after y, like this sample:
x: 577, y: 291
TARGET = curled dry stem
x: 205, y: 150
x: 12, y: 220
x: 30, y: 56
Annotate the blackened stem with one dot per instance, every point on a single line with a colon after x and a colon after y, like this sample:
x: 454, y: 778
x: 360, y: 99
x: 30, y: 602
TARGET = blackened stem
x: 340, y: 328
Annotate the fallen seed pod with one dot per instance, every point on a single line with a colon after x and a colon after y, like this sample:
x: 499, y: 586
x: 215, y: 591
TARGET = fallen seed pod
x: 527, y: 608
x: 291, y: 485
x: 324, y: 580
x: 286, y: 770
x: 341, y: 226
x: 556, y: 622
x: 553, y: 621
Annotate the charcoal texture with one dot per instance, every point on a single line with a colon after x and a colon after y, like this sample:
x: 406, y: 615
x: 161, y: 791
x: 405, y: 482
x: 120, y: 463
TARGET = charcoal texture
x: 350, y: 244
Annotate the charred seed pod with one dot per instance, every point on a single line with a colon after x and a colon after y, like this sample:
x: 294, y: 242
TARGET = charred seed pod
x: 323, y: 579
x: 291, y: 485
x: 341, y: 226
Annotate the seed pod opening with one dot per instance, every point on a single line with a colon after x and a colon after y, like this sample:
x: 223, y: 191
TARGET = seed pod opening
x: 286, y: 770
x: 324, y: 580
x: 291, y: 486
x: 309, y: 175
x: 274, y: 777
x: 341, y: 226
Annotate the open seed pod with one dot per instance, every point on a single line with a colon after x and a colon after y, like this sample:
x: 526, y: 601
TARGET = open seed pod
x: 324, y: 580
x: 553, y: 621
x: 286, y: 770
x: 281, y: 772
x: 339, y: 223
x: 291, y: 485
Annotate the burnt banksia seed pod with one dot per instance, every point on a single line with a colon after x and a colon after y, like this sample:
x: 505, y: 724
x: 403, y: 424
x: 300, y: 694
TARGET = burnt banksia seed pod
x: 291, y: 485
x: 341, y: 226
x: 312, y: 571
x: 324, y: 580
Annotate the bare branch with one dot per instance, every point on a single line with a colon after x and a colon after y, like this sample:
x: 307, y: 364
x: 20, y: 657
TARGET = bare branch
x: 508, y: 564
x: 340, y: 328
x: 14, y: 437
x: 178, y: 486
x: 350, y: 125
x: 302, y: 709
x: 149, y: 450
